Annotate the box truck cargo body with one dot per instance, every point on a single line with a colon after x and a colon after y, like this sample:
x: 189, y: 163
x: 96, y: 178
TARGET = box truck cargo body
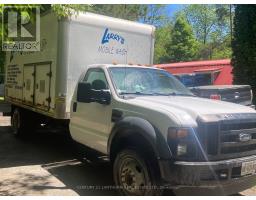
x: 43, y: 81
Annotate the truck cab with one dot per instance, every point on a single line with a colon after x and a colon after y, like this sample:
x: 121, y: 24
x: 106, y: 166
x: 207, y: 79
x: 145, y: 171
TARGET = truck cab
x: 159, y: 135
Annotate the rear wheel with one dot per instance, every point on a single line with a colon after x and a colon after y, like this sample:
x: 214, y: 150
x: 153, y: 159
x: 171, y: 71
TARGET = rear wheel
x: 135, y: 175
x: 21, y: 122
x: 16, y: 123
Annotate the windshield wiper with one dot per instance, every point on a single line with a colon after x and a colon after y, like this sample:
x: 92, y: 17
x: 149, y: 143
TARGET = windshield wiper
x: 162, y: 94
x: 173, y: 94
x: 135, y: 93
x: 179, y: 94
x: 155, y: 93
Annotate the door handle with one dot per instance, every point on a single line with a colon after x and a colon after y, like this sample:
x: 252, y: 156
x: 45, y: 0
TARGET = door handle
x: 74, y: 106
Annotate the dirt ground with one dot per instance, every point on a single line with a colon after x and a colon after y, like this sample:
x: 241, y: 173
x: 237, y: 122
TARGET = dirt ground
x: 44, y: 164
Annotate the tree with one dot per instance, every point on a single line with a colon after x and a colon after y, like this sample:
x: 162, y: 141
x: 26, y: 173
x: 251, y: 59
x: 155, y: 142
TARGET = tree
x: 162, y: 41
x: 123, y: 11
x: 66, y: 10
x: 203, y: 20
x: 211, y: 26
x: 244, y: 46
x: 183, y: 45
x: 221, y: 49
x: 154, y: 14
x: 225, y: 15
x: 150, y: 14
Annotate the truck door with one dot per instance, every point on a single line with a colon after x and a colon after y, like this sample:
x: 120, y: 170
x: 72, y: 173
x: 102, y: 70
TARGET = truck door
x: 42, y: 86
x: 28, y: 84
x: 90, y: 122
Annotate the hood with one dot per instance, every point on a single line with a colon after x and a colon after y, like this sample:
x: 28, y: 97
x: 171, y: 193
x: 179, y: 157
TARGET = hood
x: 181, y: 106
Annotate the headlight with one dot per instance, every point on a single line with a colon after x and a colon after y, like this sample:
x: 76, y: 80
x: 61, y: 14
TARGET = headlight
x: 181, y: 149
x: 182, y: 143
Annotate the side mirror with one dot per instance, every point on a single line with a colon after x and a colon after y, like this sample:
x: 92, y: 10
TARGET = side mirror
x: 84, y: 92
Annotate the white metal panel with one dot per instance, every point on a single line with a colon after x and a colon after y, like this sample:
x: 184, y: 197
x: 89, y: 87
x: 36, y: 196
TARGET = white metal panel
x: 118, y: 24
x: 28, y: 84
x: 42, y: 87
x: 14, y: 81
x: 105, y: 44
x: 48, y: 53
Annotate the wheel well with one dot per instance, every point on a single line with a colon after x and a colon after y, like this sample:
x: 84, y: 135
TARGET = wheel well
x: 133, y: 140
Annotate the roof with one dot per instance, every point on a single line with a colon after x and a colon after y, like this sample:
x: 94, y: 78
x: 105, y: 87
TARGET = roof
x: 208, y: 70
x: 114, y: 23
x: 196, y: 63
x: 123, y: 66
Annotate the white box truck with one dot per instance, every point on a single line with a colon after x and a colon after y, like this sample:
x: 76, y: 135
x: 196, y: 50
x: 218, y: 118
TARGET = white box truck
x: 153, y: 129
x: 44, y: 81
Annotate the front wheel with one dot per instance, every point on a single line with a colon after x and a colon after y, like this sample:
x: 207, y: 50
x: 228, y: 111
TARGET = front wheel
x: 134, y: 175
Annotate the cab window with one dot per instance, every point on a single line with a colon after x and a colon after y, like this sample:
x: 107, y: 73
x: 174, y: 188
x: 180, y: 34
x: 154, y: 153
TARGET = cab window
x: 96, y: 77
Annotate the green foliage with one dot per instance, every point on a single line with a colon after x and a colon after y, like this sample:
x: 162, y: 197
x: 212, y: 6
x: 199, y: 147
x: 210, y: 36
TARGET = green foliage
x: 222, y: 48
x: 154, y: 14
x: 66, y: 10
x: 123, y: 11
x: 223, y: 13
x: 150, y: 14
x: 202, y: 18
x: 163, y: 39
x: 244, y: 45
x: 183, y: 45
x: 211, y: 26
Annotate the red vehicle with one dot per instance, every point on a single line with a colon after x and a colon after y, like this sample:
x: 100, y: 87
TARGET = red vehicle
x: 210, y: 72
x: 211, y: 79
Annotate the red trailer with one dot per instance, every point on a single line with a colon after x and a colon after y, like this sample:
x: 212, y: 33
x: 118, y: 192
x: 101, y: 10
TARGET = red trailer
x: 211, y: 72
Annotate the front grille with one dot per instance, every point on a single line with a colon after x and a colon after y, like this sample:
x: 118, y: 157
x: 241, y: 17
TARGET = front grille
x: 220, y: 136
x: 230, y: 141
x: 237, y: 126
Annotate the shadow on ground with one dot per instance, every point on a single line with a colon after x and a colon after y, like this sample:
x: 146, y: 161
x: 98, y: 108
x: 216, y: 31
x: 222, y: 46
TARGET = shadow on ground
x: 52, y: 152
x: 55, y: 153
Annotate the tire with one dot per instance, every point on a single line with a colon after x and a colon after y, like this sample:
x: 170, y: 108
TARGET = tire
x: 134, y: 174
x: 19, y: 125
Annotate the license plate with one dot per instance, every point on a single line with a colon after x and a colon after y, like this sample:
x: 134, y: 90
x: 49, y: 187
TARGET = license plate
x: 248, y: 168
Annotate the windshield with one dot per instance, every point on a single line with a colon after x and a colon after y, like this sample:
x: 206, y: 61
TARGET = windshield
x: 146, y: 81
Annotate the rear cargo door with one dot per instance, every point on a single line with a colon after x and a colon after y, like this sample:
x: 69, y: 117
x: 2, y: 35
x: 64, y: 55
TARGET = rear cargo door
x: 42, y: 87
x: 28, y: 84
